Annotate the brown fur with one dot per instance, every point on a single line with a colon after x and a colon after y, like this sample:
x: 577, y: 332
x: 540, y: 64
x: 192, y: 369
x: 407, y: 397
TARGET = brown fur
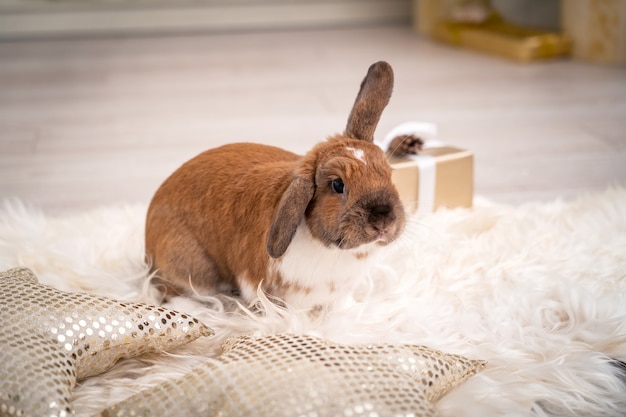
x: 370, y: 182
x: 405, y: 145
x: 225, y: 213
x: 369, y: 104
x: 187, y: 230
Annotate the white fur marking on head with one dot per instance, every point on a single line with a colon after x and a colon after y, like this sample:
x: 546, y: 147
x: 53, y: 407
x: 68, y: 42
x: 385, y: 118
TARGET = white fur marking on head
x: 358, y: 154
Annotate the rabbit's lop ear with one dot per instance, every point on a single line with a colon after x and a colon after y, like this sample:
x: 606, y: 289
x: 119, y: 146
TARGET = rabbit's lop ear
x: 372, y: 99
x: 289, y: 214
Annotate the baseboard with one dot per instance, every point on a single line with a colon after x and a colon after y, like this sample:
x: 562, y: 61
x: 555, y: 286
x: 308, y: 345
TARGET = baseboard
x: 208, y: 17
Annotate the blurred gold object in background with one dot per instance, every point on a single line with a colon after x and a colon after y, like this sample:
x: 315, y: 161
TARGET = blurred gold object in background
x: 498, y: 37
x: 590, y: 30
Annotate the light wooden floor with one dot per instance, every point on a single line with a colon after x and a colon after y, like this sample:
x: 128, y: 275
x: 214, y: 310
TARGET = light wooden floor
x: 99, y: 121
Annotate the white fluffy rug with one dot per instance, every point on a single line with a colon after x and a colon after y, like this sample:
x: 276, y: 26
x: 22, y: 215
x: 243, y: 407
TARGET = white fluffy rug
x: 539, y: 291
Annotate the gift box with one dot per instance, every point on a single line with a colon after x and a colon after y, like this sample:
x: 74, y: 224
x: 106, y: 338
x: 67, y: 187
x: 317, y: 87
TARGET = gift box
x: 441, y: 176
x: 438, y: 176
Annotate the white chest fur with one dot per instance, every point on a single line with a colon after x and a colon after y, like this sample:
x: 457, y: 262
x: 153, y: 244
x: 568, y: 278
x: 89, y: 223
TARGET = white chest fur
x: 318, y: 275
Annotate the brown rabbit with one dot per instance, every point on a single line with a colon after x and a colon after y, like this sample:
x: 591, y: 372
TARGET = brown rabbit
x: 305, y: 228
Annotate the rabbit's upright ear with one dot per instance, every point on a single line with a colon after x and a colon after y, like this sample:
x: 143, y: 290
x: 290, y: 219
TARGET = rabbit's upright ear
x: 372, y: 99
x: 289, y: 214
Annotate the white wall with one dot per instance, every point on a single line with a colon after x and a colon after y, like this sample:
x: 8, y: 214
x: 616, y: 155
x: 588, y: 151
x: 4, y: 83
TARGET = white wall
x: 19, y: 18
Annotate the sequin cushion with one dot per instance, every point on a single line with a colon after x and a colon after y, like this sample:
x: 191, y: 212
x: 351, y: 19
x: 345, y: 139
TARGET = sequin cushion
x: 286, y: 375
x: 49, y: 339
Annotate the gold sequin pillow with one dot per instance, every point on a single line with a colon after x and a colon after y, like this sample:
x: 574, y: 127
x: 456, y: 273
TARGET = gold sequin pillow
x: 286, y: 375
x: 49, y: 339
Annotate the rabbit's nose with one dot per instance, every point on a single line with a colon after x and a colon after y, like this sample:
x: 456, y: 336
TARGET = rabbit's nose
x: 381, y: 216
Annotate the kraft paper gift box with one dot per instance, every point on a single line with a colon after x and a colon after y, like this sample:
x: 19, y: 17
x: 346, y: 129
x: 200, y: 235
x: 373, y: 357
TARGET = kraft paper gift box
x: 437, y: 177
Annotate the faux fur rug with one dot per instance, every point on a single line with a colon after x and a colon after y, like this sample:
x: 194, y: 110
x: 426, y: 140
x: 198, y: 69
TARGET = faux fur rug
x: 539, y: 291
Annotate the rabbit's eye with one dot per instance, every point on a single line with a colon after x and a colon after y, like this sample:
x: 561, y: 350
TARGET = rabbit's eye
x: 337, y: 186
